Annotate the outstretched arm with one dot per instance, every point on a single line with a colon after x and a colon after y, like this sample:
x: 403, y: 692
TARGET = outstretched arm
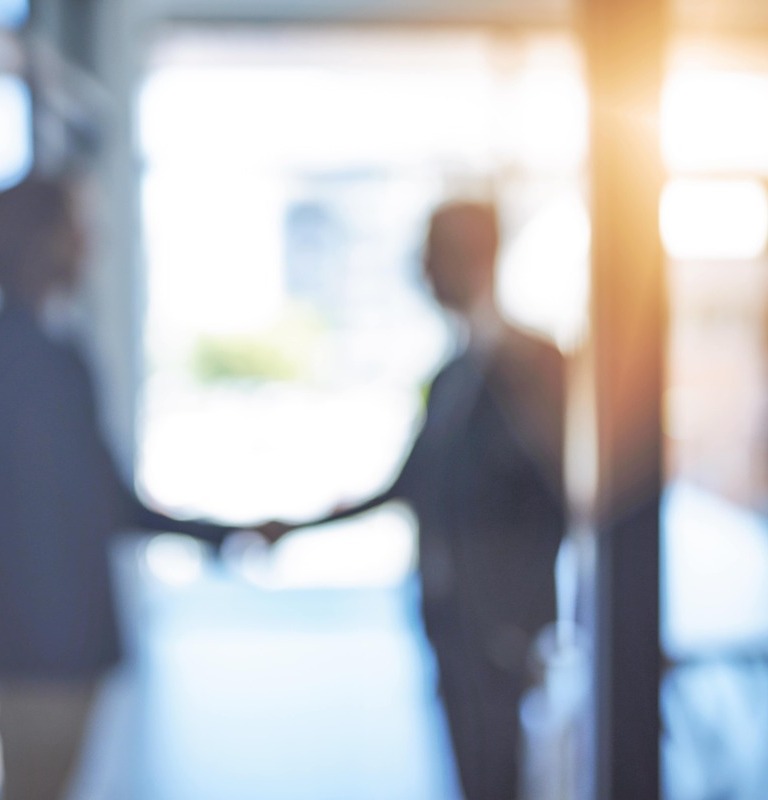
x: 404, y: 487
x: 137, y: 515
x: 276, y: 529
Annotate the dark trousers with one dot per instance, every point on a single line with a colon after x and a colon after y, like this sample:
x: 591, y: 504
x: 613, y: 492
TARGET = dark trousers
x: 481, y: 701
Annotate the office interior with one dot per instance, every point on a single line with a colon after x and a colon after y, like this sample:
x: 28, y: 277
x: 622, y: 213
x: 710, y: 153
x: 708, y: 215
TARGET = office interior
x: 259, y: 178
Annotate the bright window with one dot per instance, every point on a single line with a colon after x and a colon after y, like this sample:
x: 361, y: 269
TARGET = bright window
x: 287, y: 184
x: 15, y: 132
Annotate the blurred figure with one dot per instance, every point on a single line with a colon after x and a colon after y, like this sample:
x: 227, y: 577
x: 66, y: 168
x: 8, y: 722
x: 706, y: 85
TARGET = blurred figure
x: 484, y: 478
x: 61, y: 498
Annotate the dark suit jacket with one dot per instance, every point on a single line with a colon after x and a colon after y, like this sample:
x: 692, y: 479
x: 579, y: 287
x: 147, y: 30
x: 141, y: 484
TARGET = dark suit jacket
x: 61, y: 498
x: 484, y: 478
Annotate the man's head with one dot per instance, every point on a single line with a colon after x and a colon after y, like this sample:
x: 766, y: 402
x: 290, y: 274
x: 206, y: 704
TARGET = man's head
x: 460, y: 254
x: 41, y: 246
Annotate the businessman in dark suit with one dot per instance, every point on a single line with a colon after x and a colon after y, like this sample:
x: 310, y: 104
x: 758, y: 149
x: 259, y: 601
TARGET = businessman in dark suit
x: 484, y: 478
x: 61, y: 498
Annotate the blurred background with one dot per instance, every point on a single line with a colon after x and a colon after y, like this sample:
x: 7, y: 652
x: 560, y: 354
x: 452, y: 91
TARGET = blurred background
x: 261, y: 174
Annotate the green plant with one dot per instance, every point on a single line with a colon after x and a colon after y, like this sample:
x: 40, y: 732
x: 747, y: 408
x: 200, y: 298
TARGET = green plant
x: 284, y: 352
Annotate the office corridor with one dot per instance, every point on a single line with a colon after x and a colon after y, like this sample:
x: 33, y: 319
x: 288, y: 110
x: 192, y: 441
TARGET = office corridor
x: 240, y: 692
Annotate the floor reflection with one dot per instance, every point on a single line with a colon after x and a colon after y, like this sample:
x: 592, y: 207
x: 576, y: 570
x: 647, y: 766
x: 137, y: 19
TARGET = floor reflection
x: 241, y: 693
x: 715, y: 716
x: 714, y: 698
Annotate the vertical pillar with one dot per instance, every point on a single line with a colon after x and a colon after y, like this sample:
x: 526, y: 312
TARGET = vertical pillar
x: 117, y: 286
x: 624, y: 41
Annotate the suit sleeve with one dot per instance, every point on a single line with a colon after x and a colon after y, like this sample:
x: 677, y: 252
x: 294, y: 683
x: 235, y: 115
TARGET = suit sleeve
x: 408, y: 484
x: 404, y: 487
x: 137, y: 515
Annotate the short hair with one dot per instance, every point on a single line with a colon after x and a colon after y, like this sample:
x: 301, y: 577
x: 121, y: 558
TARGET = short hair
x: 28, y: 210
x: 473, y: 227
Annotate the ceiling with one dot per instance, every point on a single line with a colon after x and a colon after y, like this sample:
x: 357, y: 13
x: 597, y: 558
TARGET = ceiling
x: 533, y: 12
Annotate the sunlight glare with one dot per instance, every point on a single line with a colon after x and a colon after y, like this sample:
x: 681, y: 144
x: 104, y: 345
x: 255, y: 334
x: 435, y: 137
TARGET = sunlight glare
x: 544, y: 280
x: 544, y: 123
x: 714, y: 219
x: 715, y: 120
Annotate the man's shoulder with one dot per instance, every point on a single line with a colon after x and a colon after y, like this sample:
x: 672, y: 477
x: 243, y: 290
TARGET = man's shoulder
x: 527, y: 348
x: 32, y: 357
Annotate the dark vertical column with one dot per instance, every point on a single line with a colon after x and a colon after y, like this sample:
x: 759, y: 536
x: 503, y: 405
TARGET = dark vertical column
x: 624, y: 42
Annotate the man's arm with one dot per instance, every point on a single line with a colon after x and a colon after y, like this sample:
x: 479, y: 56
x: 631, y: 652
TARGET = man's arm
x: 137, y: 515
x: 404, y: 487
x: 276, y: 529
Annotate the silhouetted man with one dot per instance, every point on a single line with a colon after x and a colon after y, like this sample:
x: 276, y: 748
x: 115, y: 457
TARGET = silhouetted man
x: 60, y: 500
x: 484, y: 478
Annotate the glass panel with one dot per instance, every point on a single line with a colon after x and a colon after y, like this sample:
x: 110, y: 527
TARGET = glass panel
x: 714, y: 221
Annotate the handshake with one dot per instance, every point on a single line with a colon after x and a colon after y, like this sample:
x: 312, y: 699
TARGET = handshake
x: 273, y: 530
